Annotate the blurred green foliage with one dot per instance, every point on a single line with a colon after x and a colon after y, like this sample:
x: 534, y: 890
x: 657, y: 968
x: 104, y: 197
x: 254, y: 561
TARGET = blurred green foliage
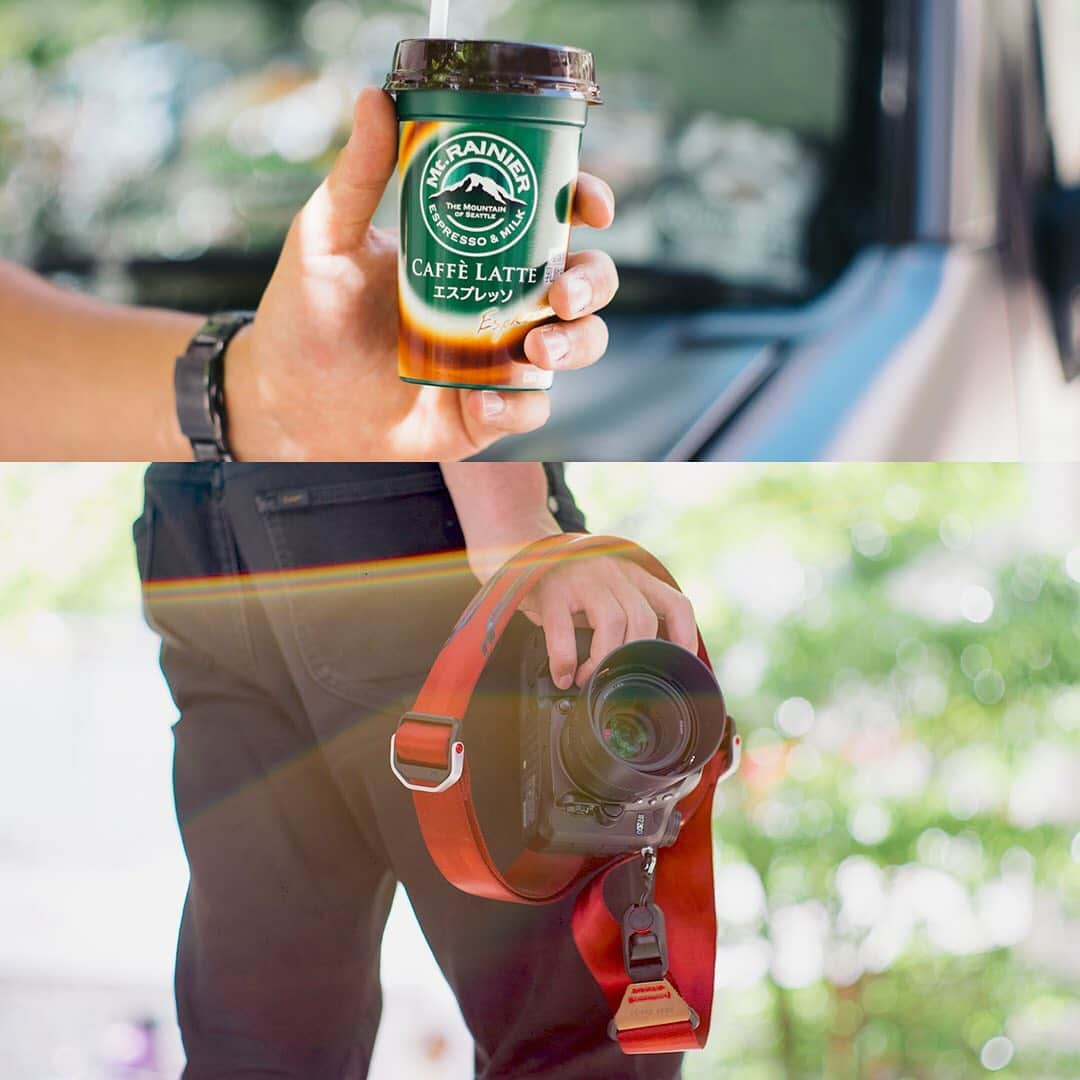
x: 46, y: 31
x: 175, y: 130
x: 781, y: 63
x: 927, y: 730
x: 899, y: 875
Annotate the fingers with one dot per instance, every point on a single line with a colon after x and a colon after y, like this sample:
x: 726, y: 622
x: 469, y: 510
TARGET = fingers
x: 565, y: 346
x: 620, y: 601
x: 670, y: 604
x: 629, y: 607
x: 558, y: 623
x: 589, y: 284
x: 490, y: 415
x: 594, y: 202
x: 633, y: 620
x: 337, y: 217
x: 609, y: 623
x: 580, y: 339
x: 641, y: 620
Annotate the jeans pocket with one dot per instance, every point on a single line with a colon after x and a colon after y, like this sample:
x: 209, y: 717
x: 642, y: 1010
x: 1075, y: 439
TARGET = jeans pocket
x: 369, y: 583
x: 192, y: 593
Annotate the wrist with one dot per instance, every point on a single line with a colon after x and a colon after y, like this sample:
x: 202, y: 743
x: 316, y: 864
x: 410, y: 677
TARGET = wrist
x: 254, y: 433
x: 498, y: 546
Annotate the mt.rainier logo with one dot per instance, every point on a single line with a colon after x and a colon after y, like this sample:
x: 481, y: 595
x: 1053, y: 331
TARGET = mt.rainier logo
x: 481, y: 189
x: 479, y: 194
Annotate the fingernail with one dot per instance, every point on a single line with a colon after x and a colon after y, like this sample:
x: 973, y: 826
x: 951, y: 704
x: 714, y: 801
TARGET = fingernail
x: 556, y: 344
x: 578, y: 292
x: 492, y: 404
x: 564, y: 682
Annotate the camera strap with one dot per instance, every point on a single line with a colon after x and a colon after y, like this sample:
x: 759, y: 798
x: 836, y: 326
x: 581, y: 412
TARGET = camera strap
x: 669, y: 1008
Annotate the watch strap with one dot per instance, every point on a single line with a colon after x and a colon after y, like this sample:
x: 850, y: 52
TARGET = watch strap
x: 199, y: 382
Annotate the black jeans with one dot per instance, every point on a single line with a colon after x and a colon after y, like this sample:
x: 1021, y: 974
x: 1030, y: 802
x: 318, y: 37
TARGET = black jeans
x: 300, y: 608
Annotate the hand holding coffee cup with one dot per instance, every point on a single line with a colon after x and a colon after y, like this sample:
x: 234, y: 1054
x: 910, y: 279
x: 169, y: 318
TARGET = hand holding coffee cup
x: 318, y: 371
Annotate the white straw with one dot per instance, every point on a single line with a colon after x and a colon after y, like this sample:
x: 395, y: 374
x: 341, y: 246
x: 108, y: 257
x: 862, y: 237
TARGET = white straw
x: 440, y: 19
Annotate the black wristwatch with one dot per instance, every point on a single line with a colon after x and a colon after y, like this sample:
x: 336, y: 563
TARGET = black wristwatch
x: 200, y: 386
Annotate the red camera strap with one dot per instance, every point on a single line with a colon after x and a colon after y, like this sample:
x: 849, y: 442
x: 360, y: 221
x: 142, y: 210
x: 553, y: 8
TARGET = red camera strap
x: 429, y: 739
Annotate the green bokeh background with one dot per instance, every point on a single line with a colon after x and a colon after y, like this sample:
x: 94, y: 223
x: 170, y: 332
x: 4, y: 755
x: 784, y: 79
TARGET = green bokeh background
x: 703, y: 50
x: 175, y: 131
x: 914, y: 733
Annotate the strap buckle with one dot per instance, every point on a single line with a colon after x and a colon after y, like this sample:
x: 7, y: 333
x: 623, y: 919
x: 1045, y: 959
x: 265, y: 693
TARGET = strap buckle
x: 651, y: 999
x: 423, y: 746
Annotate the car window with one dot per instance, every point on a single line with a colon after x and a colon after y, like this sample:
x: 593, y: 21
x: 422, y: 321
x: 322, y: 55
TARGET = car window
x: 720, y: 124
x: 165, y: 149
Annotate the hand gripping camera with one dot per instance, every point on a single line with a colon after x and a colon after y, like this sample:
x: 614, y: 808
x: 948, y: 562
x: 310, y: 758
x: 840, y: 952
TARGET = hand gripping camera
x: 604, y: 767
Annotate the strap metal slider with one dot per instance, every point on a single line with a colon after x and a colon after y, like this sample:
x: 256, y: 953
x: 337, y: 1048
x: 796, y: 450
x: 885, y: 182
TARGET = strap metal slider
x: 422, y: 742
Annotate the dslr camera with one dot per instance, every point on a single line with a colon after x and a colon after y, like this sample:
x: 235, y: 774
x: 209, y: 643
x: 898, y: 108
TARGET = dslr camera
x: 604, y: 767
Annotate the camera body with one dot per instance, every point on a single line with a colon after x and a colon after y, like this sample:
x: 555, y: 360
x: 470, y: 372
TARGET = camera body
x: 603, y: 767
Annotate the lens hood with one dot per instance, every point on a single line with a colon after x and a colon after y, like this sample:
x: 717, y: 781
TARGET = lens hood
x: 651, y: 715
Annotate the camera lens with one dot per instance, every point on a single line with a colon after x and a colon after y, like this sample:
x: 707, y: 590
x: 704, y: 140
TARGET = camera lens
x: 651, y: 715
x: 643, y: 719
x: 628, y: 735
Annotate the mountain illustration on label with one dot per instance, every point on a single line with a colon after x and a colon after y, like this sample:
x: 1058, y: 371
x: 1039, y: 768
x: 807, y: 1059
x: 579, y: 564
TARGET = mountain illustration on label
x: 482, y: 190
x: 478, y: 193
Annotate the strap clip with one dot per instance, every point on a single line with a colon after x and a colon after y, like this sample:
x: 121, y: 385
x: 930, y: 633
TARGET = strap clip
x: 644, y: 942
x: 432, y: 760
x: 651, y: 999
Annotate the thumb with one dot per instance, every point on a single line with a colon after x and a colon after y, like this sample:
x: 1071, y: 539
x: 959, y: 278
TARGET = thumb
x: 337, y: 217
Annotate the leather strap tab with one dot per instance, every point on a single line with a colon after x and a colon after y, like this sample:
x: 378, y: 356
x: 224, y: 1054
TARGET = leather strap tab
x: 652, y: 1005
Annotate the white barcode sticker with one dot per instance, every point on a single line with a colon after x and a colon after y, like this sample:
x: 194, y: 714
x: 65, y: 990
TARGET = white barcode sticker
x: 556, y: 264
